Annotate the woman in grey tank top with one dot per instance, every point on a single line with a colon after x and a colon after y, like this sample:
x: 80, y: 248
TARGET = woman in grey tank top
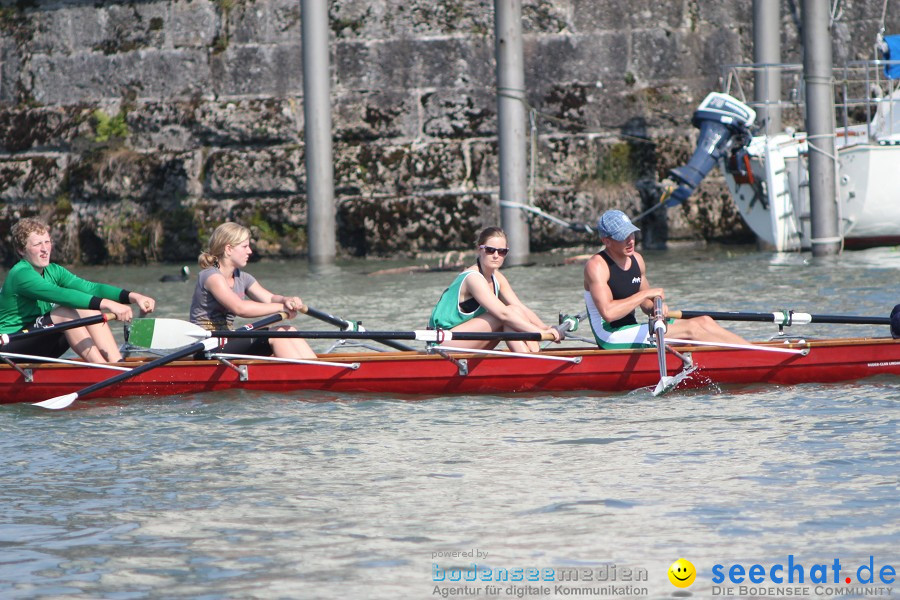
x: 225, y: 291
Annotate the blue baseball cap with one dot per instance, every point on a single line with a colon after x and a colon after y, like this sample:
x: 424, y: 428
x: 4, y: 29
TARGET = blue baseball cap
x: 895, y: 322
x: 616, y: 225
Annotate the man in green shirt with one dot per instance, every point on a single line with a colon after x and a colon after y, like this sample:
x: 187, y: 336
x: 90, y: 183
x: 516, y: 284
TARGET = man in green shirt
x: 38, y: 293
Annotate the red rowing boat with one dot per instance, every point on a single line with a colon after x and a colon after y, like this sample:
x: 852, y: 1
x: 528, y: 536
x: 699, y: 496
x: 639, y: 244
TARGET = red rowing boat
x: 420, y: 373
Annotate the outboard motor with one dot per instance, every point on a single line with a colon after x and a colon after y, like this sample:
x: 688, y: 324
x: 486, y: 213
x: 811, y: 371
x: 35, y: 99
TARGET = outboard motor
x: 720, y: 119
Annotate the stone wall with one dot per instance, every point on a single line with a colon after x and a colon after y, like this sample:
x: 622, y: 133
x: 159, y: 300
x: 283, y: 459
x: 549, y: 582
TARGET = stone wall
x: 136, y: 127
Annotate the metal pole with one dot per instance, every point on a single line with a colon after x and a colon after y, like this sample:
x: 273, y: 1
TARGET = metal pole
x: 817, y: 73
x: 767, y: 52
x: 512, y: 121
x: 317, y: 112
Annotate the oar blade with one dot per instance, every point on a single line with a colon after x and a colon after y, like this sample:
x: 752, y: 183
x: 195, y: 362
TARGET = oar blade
x: 665, y: 384
x: 59, y: 402
x: 164, y: 334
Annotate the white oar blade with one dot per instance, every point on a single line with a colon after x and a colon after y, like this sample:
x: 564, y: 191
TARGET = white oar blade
x: 668, y: 383
x: 164, y: 334
x: 59, y: 402
x: 665, y: 384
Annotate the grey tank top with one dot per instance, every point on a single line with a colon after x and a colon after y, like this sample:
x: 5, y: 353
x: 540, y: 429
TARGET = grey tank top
x: 206, y: 310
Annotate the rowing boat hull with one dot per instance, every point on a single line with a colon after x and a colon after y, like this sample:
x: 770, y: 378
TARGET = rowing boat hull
x: 426, y: 374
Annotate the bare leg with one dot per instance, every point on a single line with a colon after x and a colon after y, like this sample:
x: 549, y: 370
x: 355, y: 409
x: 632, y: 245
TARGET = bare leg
x: 703, y: 329
x: 93, y: 343
x: 482, y: 324
x: 290, y: 347
x: 518, y: 346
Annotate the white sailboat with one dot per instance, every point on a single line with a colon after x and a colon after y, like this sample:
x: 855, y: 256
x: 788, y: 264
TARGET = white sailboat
x: 768, y: 175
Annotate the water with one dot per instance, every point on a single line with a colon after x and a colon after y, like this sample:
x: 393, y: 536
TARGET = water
x: 302, y: 495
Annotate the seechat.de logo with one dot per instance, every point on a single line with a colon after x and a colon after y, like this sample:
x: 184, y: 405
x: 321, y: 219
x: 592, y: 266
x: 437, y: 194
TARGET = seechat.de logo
x: 682, y: 573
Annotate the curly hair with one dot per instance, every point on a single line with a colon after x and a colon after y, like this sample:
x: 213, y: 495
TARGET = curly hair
x: 24, y: 228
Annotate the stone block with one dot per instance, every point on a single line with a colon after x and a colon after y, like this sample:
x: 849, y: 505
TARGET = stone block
x: 192, y: 24
x: 411, y: 63
x: 269, y: 22
x: 591, y: 16
x: 553, y: 60
x: 145, y: 73
x: 274, y: 171
x: 412, y: 224
x: 114, y: 173
x: 390, y: 169
x: 459, y: 113
x: 379, y: 114
x: 43, y: 128
x: 250, y: 70
x: 32, y: 179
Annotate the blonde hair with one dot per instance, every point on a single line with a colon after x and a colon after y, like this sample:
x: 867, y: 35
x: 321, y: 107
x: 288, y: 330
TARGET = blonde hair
x: 25, y: 227
x: 225, y: 234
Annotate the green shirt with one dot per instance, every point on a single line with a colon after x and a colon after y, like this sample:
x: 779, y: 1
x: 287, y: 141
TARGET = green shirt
x: 446, y: 314
x: 26, y: 294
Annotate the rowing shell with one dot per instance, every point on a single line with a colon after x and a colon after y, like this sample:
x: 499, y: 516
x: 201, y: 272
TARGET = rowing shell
x: 432, y: 374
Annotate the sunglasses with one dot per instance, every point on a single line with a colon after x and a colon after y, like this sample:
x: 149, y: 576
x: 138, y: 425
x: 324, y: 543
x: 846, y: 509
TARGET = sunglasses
x: 491, y: 250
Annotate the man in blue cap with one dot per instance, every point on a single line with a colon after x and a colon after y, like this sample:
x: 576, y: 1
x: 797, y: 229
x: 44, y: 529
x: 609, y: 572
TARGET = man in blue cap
x: 615, y: 284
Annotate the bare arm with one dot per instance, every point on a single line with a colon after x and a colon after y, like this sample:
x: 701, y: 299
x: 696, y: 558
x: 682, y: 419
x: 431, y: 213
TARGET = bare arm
x: 596, y: 281
x: 483, y: 291
x: 261, y: 294
x: 218, y: 287
x: 509, y: 297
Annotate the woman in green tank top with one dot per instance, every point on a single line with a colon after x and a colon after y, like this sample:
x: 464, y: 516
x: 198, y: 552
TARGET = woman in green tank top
x: 480, y: 299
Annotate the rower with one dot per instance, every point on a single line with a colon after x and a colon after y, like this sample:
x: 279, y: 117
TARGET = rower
x: 895, y: 322
x: 34, y: 285
x: 222, y: 294
x: 615, y: 283
x: 481, y: 299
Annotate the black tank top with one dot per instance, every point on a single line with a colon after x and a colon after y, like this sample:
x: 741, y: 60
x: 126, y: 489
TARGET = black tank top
x: 623, y: 284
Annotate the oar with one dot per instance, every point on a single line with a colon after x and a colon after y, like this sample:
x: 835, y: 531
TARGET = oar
x: 207, y: 344
x: 161, y: 334
x: 11, y: 337
x: 346, y: 325
x: 658, y: 321
x: 438, y: 336
x: 783, y: 317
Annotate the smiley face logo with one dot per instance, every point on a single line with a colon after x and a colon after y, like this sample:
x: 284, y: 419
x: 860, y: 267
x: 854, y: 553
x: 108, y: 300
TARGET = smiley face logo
x: 682, y: 573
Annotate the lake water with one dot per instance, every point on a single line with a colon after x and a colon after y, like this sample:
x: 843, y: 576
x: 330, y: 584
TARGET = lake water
x: 239, y: 495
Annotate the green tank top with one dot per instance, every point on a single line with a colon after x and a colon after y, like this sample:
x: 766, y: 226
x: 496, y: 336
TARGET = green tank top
x: 446, y: 314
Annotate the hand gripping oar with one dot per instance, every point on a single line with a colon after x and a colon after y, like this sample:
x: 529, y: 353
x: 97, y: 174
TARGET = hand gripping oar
x: 781, y: 318
x: 11, y: 337
x: 658, y: 321
x: 346, y: 325
x: 207, y: 344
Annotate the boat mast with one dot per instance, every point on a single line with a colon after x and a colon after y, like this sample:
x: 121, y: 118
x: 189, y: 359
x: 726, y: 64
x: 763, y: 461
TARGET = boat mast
x: 767, y: 56
x: 826, y: 238
x: 320, y: 221
x: 511, y: 119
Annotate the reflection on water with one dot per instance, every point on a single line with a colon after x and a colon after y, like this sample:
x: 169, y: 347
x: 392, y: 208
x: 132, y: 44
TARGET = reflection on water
x: 318, y: 495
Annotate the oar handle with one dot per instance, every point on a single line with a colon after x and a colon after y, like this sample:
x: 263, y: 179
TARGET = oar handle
x: 782, y: 317
x: 327, y: 318
x: 346, y: 325
x: 423, y: 335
